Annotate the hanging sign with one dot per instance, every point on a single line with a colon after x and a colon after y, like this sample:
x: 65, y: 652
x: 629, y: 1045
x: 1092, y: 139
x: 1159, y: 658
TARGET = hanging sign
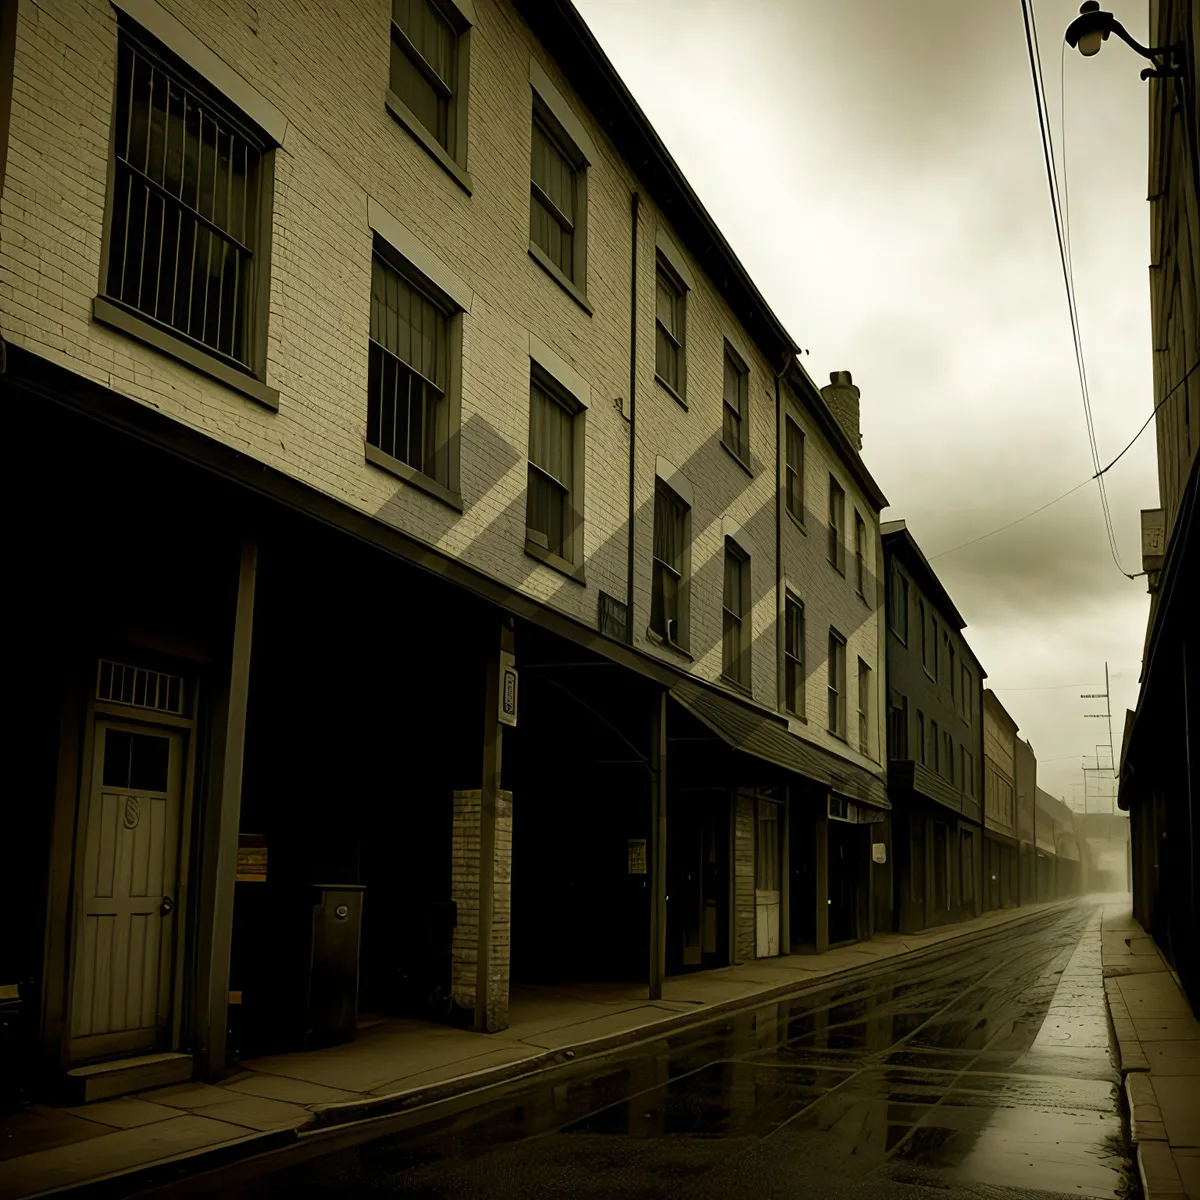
x: 508, y: 689
x: 879, y: 852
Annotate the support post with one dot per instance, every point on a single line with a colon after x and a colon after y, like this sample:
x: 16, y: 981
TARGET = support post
x: 220, y: 843
x: 821, y: 876
x: 493, y: 750
x: 785, y: 873
x: 658, y: 847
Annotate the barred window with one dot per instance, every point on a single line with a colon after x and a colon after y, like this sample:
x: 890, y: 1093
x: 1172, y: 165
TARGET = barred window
x: 669, y: 319
x: 735, y: 430
x: 187, y: 193
x: 667, y: 601
x: 793, y: 656
x: 408, y: 415
x: 553, y: 177
x: 735, y: 630
x: 550, y: 521
x: 424, y: 67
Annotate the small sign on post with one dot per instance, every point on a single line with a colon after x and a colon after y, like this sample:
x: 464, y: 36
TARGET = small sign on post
x: 508, y: 689
x: 637, y: 856
x: 879, y: 852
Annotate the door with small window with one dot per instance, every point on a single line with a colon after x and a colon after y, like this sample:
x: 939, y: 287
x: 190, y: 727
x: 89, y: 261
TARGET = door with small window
x: 128, y: 855
x: 768, y: 872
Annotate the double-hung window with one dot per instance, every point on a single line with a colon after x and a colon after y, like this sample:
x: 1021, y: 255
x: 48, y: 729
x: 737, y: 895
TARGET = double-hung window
x: 898, y: 616
x: 558, y: 202
x: 948, y: 755
x: 411, y: 416
x: 860, y: 555
x: 967, y: 691
x: 188, y: 233
x: 669, y: 323
x: 897, y: 725
x: 935, y: 748
x: 553, y: 524
x: 735, y: 424
x: 668, y: 601
x: 836, y: 686
x: 864, y: 707
x: 735, y: 616
x: 837, y: 525
x: 428, y: 78
x: 921, y: 755
x: 794, y: 468
x: 793, y: 656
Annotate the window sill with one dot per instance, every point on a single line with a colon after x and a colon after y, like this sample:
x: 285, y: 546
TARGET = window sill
x: 737, y: 458
x: 795, y: 716
x: 554, y: 561
x: 735, y: 685
x: 551, y: 268
x: 405, y: 117
x: 799, y: 524
x: 662, y: 383
x: 932, y: 678
x: 393, y: 466
x: 841, y: 737
x: 109, y: 313
x: 840, y: 570
x: 657, y: 638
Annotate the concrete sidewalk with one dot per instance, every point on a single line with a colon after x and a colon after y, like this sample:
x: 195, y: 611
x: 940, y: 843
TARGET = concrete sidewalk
x: 398, y: 1066
x: 1158, y: 1037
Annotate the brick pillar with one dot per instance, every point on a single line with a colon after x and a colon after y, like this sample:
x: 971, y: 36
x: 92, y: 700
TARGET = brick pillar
x: 464, y: 885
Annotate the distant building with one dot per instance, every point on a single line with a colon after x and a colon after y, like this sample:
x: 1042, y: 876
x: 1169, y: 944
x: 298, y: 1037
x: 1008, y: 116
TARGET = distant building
x: 1001, y: 862
x: 1060, y: 851
x: 1025, y: 790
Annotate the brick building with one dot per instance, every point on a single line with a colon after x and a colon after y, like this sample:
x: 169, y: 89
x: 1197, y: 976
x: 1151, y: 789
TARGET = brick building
x: 384, y: 367
x: 1001, y: 847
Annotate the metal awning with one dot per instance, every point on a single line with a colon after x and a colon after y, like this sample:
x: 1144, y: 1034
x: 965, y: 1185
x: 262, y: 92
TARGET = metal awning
x: 767, y: 737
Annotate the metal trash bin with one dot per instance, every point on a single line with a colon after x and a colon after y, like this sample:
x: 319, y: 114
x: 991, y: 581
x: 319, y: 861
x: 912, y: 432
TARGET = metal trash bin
x: 331, y: 1012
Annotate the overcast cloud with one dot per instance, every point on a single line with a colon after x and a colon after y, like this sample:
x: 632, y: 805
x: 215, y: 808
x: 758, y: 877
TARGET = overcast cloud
x: 877, y: 167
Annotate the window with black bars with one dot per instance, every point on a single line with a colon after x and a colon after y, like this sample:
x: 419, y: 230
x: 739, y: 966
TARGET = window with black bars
x: 735, y: 432
x: 553, y: 189
x: 670, y: 532
x: 864, y: 707
x: 794, y: 469
x: 548, y: 518
x: 407, y: 409
x: 668, y: 321
x: 185, y: 205
x: 837, y: 684
x: 793, y: 656
x: 837, y: 525
x: 735, y: 650
x: 424, y: 66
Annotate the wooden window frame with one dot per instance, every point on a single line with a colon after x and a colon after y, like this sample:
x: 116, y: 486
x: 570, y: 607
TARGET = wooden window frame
x: 795, y: 690
x: 666, y: 274
x: 793, y: 470
x: 741, y: 414
x: 451, y: 158
x: 860, y: 555
x: 740, y: 674
x: 864, y: 707
x: 836, y: 549
x: 836, y: 686
x: 897, y: 729
x: 899, y: 605
x: 664, y: 493
x: 575, y: 284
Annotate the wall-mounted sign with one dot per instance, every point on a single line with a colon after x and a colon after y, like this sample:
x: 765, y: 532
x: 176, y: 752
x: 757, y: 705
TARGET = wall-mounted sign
x: 508, y: 689
x: 637, y: 856
x: 251, y: 858
x: 879, y: 852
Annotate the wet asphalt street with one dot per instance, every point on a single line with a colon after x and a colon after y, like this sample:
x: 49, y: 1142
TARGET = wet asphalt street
x: 982, y: 1071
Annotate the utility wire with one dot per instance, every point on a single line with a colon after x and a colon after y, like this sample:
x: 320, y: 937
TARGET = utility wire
x: 1065, y: 258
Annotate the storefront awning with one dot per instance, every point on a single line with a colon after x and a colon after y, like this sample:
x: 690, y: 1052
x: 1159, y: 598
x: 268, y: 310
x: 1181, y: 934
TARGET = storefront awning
x: 768, y: 738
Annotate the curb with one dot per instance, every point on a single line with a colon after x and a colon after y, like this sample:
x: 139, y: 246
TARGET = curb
x: 469, y: 1089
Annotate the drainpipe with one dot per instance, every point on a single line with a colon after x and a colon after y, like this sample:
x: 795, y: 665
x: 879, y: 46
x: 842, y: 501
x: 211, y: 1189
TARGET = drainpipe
x: 780, y: 449
x: 634, y: 202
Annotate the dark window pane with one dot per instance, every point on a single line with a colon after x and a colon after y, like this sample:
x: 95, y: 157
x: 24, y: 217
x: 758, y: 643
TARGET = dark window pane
x: 117, y: 745
x: 136, y: 760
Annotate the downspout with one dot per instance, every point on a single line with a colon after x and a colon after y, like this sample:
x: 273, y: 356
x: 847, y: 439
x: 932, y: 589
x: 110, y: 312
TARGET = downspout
x: 634, y: 203
x: 780, y: 449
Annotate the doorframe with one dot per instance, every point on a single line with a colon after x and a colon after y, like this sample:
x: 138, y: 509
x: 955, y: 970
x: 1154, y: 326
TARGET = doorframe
x: 80, y: 710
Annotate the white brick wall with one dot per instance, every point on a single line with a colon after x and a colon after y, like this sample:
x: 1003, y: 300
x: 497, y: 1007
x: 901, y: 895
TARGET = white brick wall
x: 341, y: 146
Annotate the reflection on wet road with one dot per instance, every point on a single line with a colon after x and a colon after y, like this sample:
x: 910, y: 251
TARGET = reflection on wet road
x: 978, y: 1071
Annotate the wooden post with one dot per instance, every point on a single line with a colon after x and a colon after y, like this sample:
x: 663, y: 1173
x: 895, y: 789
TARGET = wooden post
x: 658, y: 847
x: 821, y: 876
x: 493, y: 752
x: 219, y: 863
x: 785, y: 873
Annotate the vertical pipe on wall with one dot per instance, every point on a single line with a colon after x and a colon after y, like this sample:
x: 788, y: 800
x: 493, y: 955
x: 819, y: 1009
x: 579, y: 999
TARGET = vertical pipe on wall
x: 634, y: 203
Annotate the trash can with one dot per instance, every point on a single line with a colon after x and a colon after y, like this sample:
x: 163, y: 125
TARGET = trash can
x: 332, y: 1009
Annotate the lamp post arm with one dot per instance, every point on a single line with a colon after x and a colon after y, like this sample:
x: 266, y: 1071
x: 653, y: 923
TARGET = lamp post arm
x: 1150, y: 52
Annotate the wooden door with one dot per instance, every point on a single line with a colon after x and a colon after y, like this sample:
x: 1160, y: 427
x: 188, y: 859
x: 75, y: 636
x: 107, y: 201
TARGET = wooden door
x: 128, y: 842
x: 767, y: 874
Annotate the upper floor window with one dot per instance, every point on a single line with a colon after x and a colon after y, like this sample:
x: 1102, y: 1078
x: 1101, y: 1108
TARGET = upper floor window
x: 837, y: 684
x: 864, y: 707
x: 935, y: 757
x: 794, y: 468
x: 428, y: 78
x: 188, y: 235
x: 948, y: 756
x: 793, y: 656
x: 920, y: 736
x: 860, y: 554
x: 735, y: 427
x: 951, y: 669
x: 669, y: 323
x: 837, y: 525
x: 968, y: 691
x: 735, y: 616
x: 668, y: 601
x: 897, y: 728
x: 412, y: 378
x: 557, y: 198
x: 898, y: 605
x: 925, y: 656
x: 554, y: 505
x: 967, y: 771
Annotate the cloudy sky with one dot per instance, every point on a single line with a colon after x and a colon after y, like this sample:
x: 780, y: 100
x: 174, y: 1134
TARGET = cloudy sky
x: 877, y: 167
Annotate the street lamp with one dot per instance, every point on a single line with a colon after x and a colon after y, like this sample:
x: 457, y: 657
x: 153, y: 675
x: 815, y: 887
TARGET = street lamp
x: 1091, y: 28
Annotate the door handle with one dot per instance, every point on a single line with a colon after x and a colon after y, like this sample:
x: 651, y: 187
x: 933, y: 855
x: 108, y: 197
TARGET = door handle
x: 166, y: 906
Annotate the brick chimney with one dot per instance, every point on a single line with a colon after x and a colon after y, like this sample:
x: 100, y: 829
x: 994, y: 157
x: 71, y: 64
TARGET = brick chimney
x: 842, y: 397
